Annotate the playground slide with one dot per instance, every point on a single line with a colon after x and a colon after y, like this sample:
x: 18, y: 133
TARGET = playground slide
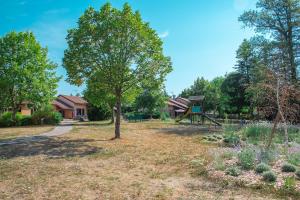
x: 185, y: 115
x: 211, y: 119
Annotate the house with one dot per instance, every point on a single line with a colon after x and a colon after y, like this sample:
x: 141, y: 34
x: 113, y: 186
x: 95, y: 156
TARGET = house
x: 71, y: 107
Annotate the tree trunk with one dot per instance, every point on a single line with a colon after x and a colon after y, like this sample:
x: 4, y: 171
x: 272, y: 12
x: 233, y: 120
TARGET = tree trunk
x: 272, y: 134
x: 112, y: 115
x: 118, y: 117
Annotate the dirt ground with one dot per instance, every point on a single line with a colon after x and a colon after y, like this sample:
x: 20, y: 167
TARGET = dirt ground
x: 151, y: 161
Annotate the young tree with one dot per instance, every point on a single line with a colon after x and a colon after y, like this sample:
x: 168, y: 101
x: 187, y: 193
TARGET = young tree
x: 280, y: 20
x: 278, y: 98
x: 25, y: 71
x: 119, y: 48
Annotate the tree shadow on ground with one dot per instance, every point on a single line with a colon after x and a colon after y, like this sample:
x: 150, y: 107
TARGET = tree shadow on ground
x: 51, y: 147
x: 190, y: 130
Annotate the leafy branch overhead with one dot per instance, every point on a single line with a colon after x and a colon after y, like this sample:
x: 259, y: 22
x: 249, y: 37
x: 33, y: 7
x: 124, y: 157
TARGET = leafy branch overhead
x: 118, y: 48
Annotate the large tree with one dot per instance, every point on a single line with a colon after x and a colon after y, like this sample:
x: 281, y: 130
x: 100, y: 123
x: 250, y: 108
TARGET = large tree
x: 117, y: 46
x: 280, y: 21
x: 26, y: 74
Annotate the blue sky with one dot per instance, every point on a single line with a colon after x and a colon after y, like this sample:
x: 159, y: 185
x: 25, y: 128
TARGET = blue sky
x: 200, y: 36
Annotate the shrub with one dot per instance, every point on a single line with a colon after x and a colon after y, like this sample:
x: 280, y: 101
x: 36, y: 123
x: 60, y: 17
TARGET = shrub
x: 231, y: 139
x: 198, y: 166
x: 233, y: 171
x: 46, y: 115
x: 246, y: 158
x: 288, y: 168
x: 26, y: 121
x: 219, y: 163
x: 269, y: 176
x: 7, y: 121
x: 267, y: 156
x: 262, y: 167
x: 289, y: 183
x: 164, y: 116
x: 294, y: 159
x: 298, y: 174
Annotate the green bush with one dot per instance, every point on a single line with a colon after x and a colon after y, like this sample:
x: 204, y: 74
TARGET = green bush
x: 269, y: 176
x: 286, y: 167
x: 46, y: 115
x: 267, y: 156
x: 233, y: 171
x: 7, y: 121
x: 164, y: 116
x: 246, y: 159
x: 262, y: 167
x: 231, y: 139
x: 294, y: 159
x: 298, y: 173
x: 26, y: 121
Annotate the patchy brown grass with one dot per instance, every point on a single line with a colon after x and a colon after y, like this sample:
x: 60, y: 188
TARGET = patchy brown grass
x: 151, y: 161
x: 8, y: 133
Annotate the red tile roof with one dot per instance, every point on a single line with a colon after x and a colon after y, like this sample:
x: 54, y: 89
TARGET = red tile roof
x: 75, y: 99
x: 61, y: 105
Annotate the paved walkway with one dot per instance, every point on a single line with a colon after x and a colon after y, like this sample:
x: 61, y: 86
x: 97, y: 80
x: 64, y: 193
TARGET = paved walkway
x: 63, y: 128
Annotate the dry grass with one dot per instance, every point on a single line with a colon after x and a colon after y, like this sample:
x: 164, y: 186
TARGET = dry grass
x: 9, y: 133
x: 151, y: 161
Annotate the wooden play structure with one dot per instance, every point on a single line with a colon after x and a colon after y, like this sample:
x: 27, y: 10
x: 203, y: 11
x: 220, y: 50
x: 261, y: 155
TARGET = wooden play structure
x: 196, y: 113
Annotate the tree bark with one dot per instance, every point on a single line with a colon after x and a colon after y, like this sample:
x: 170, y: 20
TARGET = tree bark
x: 118, y: 117
x: 112, y: 115
x: 273, y: 131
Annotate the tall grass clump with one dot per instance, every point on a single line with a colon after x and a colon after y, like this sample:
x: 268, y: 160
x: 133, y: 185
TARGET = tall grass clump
x: 257, y: 132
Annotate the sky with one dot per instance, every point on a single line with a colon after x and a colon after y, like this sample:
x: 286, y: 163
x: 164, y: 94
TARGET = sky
x: 200, y: 36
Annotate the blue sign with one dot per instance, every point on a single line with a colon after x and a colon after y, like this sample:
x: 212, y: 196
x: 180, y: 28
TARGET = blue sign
x: 196, y: 109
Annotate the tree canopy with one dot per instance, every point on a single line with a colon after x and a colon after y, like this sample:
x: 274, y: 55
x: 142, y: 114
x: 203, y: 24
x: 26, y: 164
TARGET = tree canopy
x: 118, y: 48
x: 26, y: 74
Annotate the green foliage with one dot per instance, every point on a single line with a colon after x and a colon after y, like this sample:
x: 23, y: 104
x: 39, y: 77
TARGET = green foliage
x: 198, y: 166
x: 6, y: 120
x: 256, y: 132
x: 269, y: 176
x: 233, y: 93
x: 219, y: 163
x: 262, y: 167
x: 26, y: 71
x: 46, y: 115
x: 233, y: 171
x: 286, y: 167
x: 26, y: 121
x: 294, y: 158
x: 246, y: 159
x: 267, y: 155
x: 231, y: 139
x: 117, y: 51
x: 97, y: 113
x: 289, y: 184
x: 164, y: 116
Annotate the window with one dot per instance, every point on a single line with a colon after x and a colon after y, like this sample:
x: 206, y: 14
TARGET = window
x: 78, y: 112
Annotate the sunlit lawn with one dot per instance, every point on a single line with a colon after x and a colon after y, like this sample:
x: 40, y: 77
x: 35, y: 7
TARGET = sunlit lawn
x: 7, y: 133
x: 151, y: 161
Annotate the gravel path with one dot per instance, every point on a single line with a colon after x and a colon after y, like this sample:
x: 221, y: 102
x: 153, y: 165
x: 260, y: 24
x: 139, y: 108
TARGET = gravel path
x: 63, y: 128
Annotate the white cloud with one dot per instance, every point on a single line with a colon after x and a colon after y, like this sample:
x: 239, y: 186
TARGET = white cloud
x: 164, y: 34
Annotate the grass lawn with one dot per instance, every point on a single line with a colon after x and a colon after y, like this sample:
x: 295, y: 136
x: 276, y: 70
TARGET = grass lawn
x: 9, y: 133
x: 151, y: 161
